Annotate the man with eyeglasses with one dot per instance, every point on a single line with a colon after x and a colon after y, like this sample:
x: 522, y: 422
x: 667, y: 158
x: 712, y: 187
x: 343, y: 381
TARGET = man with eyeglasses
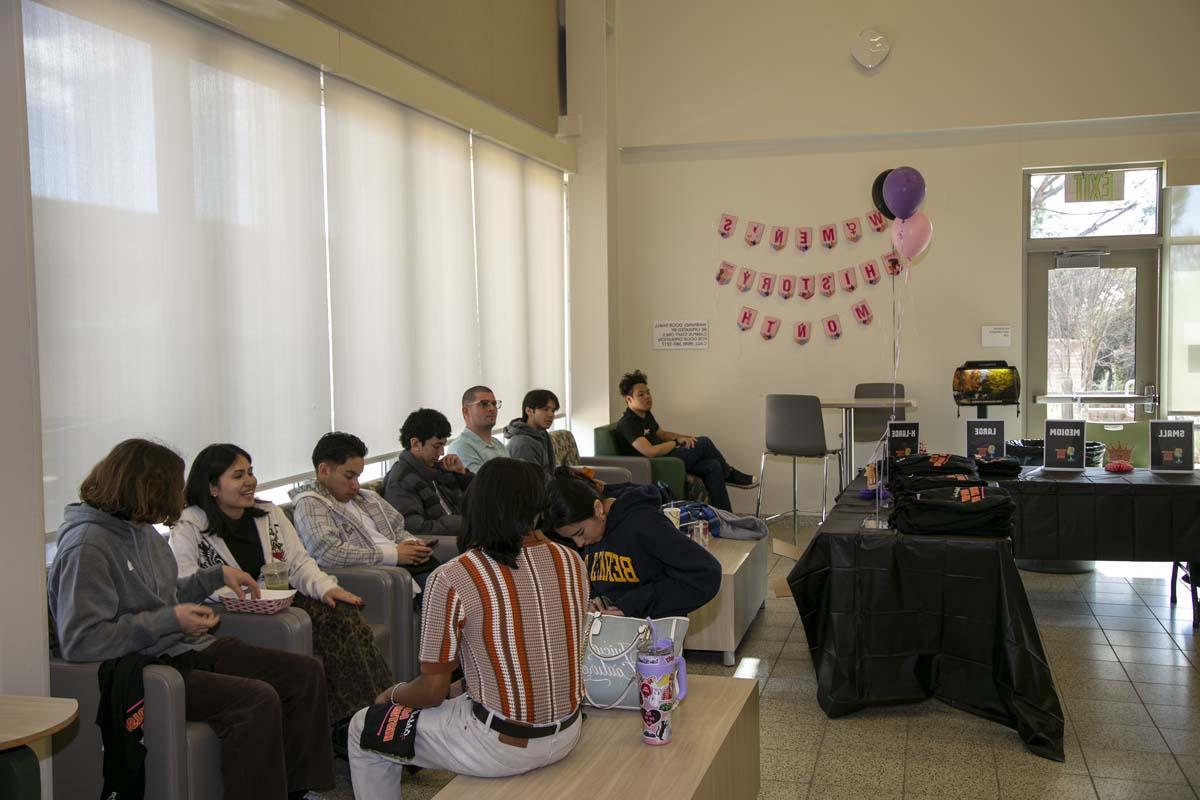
x: 475, y: 445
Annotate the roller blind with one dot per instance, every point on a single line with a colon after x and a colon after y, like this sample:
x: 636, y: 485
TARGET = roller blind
x: 179, y: 238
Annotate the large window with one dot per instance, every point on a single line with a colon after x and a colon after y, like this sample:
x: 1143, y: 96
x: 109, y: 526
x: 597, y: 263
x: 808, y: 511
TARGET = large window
x: 1181, y: 299
x: 229, y: 249
x: 1086, y: 203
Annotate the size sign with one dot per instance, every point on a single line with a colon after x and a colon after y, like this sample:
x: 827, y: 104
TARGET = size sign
x: 1064, y: 444
x: 1172, y: 446
x: 985, y: 438
x: 903, y: 439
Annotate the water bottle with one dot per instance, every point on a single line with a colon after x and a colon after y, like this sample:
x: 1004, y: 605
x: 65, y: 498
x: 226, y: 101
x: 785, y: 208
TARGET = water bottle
x: 659, y: 673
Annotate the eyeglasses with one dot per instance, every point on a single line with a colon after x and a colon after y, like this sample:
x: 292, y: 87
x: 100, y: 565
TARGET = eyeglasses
x: 496, y: 404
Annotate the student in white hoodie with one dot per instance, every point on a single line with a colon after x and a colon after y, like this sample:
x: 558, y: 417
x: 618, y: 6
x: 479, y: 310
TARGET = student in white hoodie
x: 224, y: 524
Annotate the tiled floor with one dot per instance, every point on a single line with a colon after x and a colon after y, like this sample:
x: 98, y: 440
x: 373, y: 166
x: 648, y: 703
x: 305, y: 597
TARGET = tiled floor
x: 1124, y: 665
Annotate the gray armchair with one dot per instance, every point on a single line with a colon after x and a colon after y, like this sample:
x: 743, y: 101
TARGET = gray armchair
x: 610, y: 469
x: 183, y: 759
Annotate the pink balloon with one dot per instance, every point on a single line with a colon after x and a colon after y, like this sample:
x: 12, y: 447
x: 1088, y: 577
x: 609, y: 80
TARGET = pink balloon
x: 911, y: 236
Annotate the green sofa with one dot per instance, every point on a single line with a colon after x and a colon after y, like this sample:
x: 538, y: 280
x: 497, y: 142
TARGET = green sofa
x: 667, y: 469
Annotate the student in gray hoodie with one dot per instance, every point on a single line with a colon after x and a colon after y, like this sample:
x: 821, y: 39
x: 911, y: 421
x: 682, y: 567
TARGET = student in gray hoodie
x: 114, y: 590
x: 528, y: 438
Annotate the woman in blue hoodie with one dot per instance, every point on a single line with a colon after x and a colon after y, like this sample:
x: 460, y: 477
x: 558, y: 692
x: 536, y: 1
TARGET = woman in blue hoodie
x: 114, y: 590
x: 637, y: 561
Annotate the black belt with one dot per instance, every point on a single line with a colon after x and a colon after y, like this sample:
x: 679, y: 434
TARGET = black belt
x: 519, y: 731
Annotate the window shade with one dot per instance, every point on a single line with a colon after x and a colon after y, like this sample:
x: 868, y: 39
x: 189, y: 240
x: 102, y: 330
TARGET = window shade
x: 178, y: 223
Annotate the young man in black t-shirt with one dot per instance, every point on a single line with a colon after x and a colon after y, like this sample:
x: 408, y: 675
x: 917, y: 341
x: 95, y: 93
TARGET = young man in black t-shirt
x: 638, y: 433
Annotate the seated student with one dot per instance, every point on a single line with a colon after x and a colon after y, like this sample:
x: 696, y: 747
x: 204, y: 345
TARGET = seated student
x: 524, y: 685
x: 424, y: 486
x: 638, y: 433
x: 528, y: 436
x: 637, y: 561
x: 476, y: 445
x: 344, y: 525
x: 114, y: 590
x: 225, y: 524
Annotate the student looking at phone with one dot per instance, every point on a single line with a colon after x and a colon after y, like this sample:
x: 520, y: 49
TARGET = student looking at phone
x: 345, y: 525
x: 425, y: 485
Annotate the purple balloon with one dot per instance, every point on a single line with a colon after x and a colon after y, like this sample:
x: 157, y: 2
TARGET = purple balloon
x: 903, y: 191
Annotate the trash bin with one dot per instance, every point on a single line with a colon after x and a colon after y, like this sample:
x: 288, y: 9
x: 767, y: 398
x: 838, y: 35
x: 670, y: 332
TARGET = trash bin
x: 1032, y: 452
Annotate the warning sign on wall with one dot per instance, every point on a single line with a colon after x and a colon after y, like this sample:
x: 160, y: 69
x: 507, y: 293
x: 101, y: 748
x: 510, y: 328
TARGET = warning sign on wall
x: 681, y: 334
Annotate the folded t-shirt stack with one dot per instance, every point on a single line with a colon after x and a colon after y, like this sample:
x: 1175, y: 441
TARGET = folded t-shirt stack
x: 929, y: 465
x: 998, y: 469
x: 911, y: 484
x: 964, y: 511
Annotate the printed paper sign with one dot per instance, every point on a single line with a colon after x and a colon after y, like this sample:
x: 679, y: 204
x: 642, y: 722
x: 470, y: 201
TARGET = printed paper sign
x: 852, y: 228
x: 803, y: 239
x: 847, y: 279
x: 877, y: 221
x: 808, y: 286
x: 891, y: 263
x: 727, y: 225
x: 754, y: 233
x: 745, y: 279
x: 829, y: 236
x: 827, y: 284
x: 787, y: 286
x: 725, y: 272
x: 832, y: 326
x: 1064, y: 444
x: 1172, y: 446
x: 862, y: 312
x: 766, y: 283
x: 903, y: 438
x: 681, y: 334
x: 770, y: 327
x: 803, y: 332
x: 985, y: 438
x: 746, y: 318
x: 779, y: 238
x: 870, y: 272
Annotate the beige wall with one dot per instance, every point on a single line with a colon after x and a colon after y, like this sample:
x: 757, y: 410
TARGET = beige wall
x: 505, y: 51
x: 709, y: 70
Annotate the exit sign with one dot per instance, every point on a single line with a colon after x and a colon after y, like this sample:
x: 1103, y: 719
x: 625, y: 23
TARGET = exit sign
x: 1092, y: 187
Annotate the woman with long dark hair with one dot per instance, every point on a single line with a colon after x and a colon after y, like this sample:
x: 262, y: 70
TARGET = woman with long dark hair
x: 638, y: 563
x: 225, y: 524
x: 115, y: 590
x: 510, y: 610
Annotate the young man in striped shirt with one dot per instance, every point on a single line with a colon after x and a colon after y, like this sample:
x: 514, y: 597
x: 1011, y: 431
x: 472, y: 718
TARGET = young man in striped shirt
x: 510, y: 611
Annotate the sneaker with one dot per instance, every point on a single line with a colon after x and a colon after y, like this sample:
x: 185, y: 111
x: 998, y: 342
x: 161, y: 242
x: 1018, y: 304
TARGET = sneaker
x: 738, y: 478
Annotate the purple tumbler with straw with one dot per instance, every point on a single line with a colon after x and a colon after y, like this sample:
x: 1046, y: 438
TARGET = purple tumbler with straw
x: 658, y: 671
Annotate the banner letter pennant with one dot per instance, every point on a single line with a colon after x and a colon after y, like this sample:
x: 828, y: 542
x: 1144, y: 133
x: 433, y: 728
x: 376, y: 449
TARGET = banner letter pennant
x: 754, y: 232
x: 852, y: 228
x: 745, y: 279
x: 746, y: 318
x: 877, y: 221
x: 803, y: 332
x: 803, y: 239
x: 832, y: 326
x: 808, y: 286
x: 766, y: 283
x: 847, y: 279
x: 870, y: 272
x: 778, y: 238
x: 862, y: 312
x: 891, y: 263
x: 727, y: 225
x: 828, y: 286
x: 787, y: 286
x: 770, y: 327
x: 829, y: 236
x: 725, y: 272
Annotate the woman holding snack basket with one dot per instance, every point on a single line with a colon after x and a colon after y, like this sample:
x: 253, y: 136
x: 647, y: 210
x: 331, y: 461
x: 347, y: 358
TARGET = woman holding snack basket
x: 114, y: 590
x: 225, y: 524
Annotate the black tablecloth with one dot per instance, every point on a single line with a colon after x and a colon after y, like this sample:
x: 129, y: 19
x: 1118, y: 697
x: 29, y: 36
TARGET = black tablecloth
x: 1102, y: 516
x: 893, y: 618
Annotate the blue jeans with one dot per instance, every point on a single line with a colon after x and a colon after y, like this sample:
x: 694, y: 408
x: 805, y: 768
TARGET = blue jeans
x: 706, y: 462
